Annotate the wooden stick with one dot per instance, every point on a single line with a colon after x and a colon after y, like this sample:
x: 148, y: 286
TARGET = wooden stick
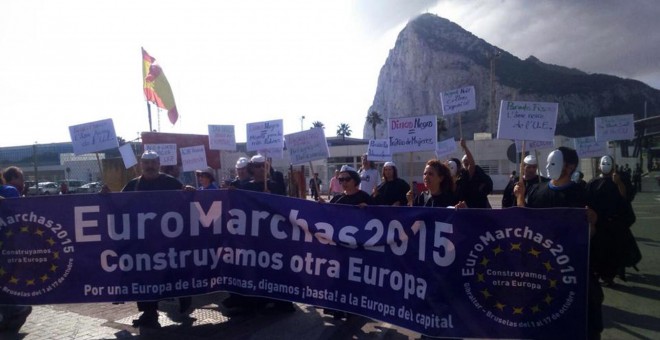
x: 520, y: 199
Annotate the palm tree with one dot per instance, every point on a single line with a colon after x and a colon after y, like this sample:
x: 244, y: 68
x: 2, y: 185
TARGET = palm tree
x: 441, y: 126
x: 317, y: 124
x: 344, y: 130
x: 374, y: 119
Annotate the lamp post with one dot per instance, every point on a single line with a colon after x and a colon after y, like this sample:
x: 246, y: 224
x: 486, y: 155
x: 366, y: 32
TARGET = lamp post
x: 493, y: 112
x: 302, y: 118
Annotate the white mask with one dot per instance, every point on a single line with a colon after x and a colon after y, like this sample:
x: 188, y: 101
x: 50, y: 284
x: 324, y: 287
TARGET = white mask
x: 575, y: 177
x: 555, y: 164
x: 606, y: 165
x: 452, y: 168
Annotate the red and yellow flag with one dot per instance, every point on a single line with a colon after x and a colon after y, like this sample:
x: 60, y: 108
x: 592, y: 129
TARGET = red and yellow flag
x: 156, y: 87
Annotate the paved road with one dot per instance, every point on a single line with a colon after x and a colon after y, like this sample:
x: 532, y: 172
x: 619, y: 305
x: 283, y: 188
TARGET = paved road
x: 631, y: 311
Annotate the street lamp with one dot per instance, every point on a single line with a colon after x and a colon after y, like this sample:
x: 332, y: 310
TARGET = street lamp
x: 302, y: 118
x: 493, y: 112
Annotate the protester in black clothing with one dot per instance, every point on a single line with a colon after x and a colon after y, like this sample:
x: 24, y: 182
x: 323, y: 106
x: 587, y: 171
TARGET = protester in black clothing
x: 605, y: 195
x: 478, y: 185
x: 150, y: 180
x: 439, y: 188
x: 314, y: 184
x: 242, y: 175
x: 257, y: 170
x: 560, y: 191
x: 392, y: 190
x: 637, y: 178
x: 530, y: 178
x: 460, y: 177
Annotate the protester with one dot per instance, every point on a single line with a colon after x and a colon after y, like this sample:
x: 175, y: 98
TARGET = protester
x: 613, y: 238
x: 560, y: 191
x: 392, y: 190
x: 369, y: 178
x: 334, y: 187
x: 257, y: 170
x: 150, y: 180
x: 276, y: 176
x: 439, y: 188
x: 479, y: 185
x: 12, y: 317
x: 578, y: 177
x: 314, y: 184
x: 530, y: 178
x: 14, y: 176
x: 637, y: 178
x: 206, y: 179
x: 242, y: 175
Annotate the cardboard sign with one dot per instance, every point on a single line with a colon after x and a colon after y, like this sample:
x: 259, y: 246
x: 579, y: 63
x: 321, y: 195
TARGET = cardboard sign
x: 166, y: 152
x: 408, y: 134
x: 445, y: 148
x: 93, y: 137
x: 127, y: 155
x: 531, y: 145
x: 459, y: 100
x: 379, y: 150
x: 589, y: 147
x: 265, y: 135
x: 306, y: 146
x: 222, y: 137
x: 193, y: 158
x: 615, y: 127
x: 527, y: 121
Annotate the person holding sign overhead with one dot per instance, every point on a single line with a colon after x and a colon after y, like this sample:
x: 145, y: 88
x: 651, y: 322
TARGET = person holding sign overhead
x: 439, y: 188
x: 531, y: 178
x: 478, y: 185
x: 392, y: 190
x: 257, y: 170
x: 561, y: 192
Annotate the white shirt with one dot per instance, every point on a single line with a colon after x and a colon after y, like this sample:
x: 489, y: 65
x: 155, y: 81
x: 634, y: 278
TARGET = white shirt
x: 369, y: 179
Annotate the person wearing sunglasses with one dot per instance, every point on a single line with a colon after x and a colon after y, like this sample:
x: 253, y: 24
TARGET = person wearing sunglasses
x: 351, y: 194
x: 439, y: 188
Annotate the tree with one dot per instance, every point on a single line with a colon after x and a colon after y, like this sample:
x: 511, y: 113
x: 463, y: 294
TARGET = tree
x: 344, y: 130
x: 317, y: 124
x: 441, y: 126
x: 374, y: 119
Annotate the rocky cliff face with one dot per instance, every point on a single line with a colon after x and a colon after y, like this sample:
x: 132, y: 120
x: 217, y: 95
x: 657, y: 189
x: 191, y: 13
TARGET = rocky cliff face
x: 433, y: 54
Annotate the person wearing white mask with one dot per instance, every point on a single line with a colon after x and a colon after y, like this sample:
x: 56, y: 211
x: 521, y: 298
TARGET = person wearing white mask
x: 607, y: 195
x: 531, y: 178
x: 561, y: 192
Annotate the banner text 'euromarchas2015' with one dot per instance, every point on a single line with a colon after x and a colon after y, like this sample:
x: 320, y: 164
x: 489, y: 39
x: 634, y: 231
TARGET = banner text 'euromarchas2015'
x: 514, y: 273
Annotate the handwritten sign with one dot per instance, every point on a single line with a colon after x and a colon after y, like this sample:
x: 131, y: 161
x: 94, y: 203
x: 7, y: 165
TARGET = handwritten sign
x: 531, y: 145
x: 527, y: 120
x: 615, y: 127
x: 265, y: 135
x: 459, y: 100
x: 166, y: 152
x: 308, y: 145
x: 445, y: 148
x: 379, y: 150
x: 193, y: 158
x: 93, y: 137
x: 408, y: 134
x: 127, y: 155
x: 590, y: 147
x: 222, y: 137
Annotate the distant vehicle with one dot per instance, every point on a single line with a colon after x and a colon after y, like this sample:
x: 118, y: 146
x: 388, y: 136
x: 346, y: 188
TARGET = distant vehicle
x: 73, y: 185
x: 45, y: 188
x: 90, y: 187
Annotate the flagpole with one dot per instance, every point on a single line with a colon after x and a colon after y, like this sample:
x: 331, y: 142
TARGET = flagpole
x: 149, y: 114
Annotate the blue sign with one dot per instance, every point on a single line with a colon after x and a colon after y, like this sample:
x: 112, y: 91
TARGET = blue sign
x: 511, y: 273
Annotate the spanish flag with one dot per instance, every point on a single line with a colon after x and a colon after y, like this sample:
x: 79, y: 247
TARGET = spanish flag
x: 156, y: 87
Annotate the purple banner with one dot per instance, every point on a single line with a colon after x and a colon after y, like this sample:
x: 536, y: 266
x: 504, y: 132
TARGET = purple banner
x: 512, y: 273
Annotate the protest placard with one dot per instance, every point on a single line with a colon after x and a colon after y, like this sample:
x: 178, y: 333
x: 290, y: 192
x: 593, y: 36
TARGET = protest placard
x: 379, y: 150
x: 166, y: 152
x: 127, y: 155
x: 265, y: 135
x: 611, y: 128
x: 193, y: 158
x: 531, y: 145
x: 408, y: 134
x: 307, y: 145
x: 458, y: 100
x: 445, y: 148
x: 93, y: 137
x: 590, y: 147
x: 222, y: 137
x: 527, y: 120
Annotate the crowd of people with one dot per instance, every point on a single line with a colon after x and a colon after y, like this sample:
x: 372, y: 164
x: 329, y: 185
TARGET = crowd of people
x: 454, y: 183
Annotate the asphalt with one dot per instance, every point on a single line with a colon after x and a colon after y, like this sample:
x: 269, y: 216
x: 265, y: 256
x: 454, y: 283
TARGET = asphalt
x: 631, y: 308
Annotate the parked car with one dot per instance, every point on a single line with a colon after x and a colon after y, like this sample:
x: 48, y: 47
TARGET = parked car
x: 72, y: 184
x: 90, y: 187
x: 45, y: 188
